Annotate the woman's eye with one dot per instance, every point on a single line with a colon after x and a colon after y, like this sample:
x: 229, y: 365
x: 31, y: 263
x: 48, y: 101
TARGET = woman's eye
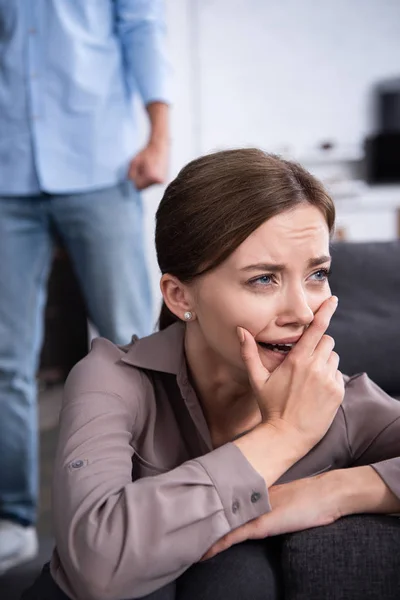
x: 263, y: 280
x: 321, y: 275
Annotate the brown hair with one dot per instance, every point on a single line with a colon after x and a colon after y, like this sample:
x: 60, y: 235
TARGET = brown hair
x: 218, y: 200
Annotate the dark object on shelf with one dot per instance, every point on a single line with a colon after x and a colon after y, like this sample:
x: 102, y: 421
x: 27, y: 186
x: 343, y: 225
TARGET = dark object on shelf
x: 387, y: 106
x: 382, y: 148
x: 382, y: 158
x: 65, y: 323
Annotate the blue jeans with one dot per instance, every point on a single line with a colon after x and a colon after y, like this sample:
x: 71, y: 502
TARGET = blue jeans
x: 103, y: 234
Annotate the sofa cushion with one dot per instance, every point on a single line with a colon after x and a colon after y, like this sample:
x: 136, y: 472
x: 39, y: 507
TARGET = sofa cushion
x: 356, y: 558
x: 366, y: 326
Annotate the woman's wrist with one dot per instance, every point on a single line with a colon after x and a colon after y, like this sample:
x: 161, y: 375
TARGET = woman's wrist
x: 270, y: 451
x: 362, y: 490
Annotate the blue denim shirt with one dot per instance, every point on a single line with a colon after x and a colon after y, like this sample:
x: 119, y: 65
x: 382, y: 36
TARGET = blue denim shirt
x: 69, y: 70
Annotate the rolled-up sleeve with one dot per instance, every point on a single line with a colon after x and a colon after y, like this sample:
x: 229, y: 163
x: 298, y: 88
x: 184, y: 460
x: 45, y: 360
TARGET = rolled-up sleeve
x: 141, y: 28
x: 122, y: 539
x: 373, y: 428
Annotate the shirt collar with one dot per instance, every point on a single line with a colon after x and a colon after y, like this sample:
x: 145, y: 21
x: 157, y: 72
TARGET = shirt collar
x: 162, y: 351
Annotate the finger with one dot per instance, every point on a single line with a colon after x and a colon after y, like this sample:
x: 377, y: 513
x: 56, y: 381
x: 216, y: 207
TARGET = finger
x: 210, y: 554
x: 142, y: 179
x: 333, y: 362
x: 324, y: 348
x: 340, y: 379
x: 257, y: 373
x: 217, y: 548
x: 311, y: 337
x: 142, y: 183
x: 145, y: 175
x: 148, y: 181
x: 153, y: 173
x: 234, y: 537
x: 274, y: 523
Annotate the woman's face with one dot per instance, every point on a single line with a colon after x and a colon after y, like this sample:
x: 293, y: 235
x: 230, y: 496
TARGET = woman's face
x: 271, y: 285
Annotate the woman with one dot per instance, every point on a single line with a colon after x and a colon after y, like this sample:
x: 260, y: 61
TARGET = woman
x: 233, y: 423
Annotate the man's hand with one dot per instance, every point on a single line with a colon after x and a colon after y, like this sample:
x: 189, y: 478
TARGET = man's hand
x: 150, y: 165
x: 298, y: 505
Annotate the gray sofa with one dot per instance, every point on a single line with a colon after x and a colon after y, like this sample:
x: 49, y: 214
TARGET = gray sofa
x: 366, y: 329
x: 366, y: 326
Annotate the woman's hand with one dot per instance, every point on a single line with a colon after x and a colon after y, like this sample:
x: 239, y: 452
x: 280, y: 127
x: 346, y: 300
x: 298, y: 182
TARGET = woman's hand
x: 298, y: 401
x: 301, y: 397
x: 298, y: 505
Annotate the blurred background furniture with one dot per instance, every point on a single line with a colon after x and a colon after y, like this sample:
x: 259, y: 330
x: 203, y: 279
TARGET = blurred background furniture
x: 366, y: 326
x: 65, y: 323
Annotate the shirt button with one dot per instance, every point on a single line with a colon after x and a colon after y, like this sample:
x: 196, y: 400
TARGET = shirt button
x: 255, y: 497
x: 235, y: 507
x: 32, y: 31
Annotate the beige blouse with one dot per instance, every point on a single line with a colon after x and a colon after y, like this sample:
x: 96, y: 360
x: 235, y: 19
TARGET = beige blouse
x: 139, y: 494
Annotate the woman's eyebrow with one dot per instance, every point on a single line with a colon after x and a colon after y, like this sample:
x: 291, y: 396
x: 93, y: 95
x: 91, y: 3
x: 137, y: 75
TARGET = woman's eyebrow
x: 276, y: 268
x: 270, y: 267
x: 319, y: 260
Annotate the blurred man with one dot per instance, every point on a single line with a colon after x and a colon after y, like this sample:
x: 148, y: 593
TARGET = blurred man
x: 68, y: 73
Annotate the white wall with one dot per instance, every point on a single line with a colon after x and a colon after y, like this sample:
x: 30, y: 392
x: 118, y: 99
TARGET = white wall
x: 183, y: 122
x: 275, y: 74
x: 293, y: 72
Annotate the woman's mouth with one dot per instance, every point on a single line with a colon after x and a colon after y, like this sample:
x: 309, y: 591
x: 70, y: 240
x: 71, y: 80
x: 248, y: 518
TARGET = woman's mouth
x: 281, y: 348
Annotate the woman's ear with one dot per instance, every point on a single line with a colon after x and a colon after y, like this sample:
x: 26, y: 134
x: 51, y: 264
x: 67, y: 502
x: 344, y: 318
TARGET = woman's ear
x: 177, y: 296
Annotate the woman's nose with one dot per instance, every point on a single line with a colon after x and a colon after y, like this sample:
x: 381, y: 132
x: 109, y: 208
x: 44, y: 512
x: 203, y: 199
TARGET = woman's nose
x: 295, y: 309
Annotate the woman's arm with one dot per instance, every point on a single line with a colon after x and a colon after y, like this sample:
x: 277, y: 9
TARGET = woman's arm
x: 314, y: 502
x: 117, y: 538
x: 122, y: 539
x: 373, y: 431
x: 371, y: 484
x: 362, y: 490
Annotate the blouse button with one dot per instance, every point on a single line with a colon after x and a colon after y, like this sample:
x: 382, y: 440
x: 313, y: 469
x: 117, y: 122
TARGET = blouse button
x: 235, y: 506
x: 255, y: 497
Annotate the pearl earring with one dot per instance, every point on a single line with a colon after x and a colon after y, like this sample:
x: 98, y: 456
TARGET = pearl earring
x: 188, y: 315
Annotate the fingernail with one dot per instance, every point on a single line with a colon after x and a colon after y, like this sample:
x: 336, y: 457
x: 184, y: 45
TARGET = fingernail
x: 335, y: 299
x: 240, y: 333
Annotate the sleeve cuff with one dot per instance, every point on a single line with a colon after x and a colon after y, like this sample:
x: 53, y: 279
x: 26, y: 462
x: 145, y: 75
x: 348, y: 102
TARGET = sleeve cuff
x: 155, y: 94
x: 389, y: 471
x: 243, y: 492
